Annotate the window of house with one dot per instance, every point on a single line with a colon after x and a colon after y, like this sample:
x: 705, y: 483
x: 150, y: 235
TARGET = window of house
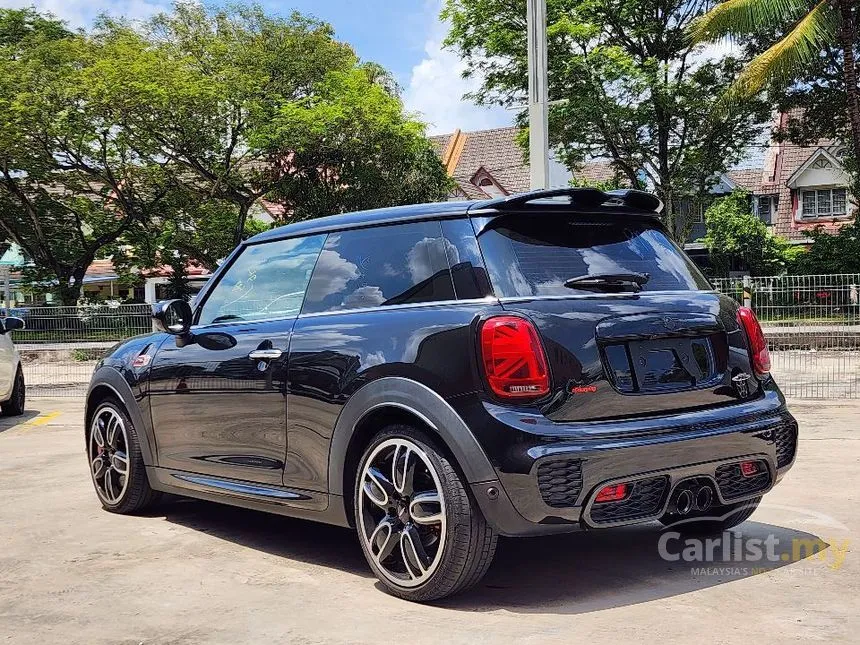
x: 698, y: 213
x: 766, y: 207
x: 826, y: 202
x: 689, y: 210
x: 486, y: 184
x: 383, y: 265
x: 266, y: 281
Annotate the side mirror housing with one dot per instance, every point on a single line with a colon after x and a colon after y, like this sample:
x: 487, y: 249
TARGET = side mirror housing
x: 10, y: 323
x: 172, y: 317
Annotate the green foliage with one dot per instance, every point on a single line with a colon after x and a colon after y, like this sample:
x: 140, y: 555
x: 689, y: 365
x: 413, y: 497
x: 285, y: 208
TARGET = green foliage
x: 806, y: 53
x: 82, y: 355
x: 832, y: 252
x: 609, y: 184
x: 185, y: 230
x: 734, y: 235
x: 248, y: 105
x: 162, y: 136
x: 351, y: 148
x: 69, y: 181
x: 636, y: 91
x: 813, y: 27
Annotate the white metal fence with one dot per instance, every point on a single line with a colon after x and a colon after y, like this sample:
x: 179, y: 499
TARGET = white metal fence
x: 60, y: 346
x: 812, y: 323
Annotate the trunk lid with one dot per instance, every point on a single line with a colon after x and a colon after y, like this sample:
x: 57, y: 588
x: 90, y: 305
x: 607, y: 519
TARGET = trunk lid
x: 651, y: 353
x: 664, y: 344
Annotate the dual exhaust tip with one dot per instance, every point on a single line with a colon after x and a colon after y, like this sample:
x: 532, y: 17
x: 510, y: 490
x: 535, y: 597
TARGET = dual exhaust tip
x: 693, y: 498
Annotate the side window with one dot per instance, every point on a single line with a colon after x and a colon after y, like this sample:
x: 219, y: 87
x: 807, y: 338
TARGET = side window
x: 386, y: 265
x: 464, y: 256
x: 266, y: 281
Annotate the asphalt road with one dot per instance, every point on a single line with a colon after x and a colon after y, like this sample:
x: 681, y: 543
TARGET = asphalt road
x: 195, y: 572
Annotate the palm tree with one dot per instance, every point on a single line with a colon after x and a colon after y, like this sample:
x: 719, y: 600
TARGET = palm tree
x: 816, y: 25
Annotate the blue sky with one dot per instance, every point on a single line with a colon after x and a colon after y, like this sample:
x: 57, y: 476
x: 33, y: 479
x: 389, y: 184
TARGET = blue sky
x: 403, y: 35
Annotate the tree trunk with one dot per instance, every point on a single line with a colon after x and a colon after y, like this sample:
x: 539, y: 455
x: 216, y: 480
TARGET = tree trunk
x: 244, y: 207
x: 846, y: 40
x: 69, y: 290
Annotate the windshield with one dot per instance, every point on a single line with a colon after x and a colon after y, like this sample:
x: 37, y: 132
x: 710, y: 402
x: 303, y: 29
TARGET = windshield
x: 536, y: 256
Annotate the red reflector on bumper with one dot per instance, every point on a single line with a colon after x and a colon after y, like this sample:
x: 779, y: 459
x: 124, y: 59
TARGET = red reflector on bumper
x: 749, y: 468
x: 613, y: 493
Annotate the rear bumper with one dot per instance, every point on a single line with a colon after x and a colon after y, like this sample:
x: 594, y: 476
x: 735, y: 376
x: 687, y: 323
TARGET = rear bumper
x: 548, y: 477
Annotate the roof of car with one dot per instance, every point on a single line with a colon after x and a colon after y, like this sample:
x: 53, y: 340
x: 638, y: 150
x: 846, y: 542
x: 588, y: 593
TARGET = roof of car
x: 578, y: 200
x: 357, y: 219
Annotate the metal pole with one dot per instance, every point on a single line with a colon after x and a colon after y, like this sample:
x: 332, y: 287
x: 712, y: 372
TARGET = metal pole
x: 538, y: 94
x: 747, y: 291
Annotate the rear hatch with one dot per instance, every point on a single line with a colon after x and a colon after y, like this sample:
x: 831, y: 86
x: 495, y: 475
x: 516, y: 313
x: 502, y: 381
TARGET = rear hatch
x: 629, y: 324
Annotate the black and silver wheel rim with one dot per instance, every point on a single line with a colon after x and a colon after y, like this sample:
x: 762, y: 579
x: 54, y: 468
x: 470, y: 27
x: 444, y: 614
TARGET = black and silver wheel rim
x: 108, y: 452
x: 401, y: 512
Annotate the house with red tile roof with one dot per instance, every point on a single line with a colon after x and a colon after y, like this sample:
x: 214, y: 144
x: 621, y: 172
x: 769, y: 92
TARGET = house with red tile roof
x: 795, y: 189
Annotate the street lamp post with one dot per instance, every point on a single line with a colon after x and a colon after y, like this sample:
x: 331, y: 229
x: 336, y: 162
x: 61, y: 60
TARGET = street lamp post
x: 538, y: 94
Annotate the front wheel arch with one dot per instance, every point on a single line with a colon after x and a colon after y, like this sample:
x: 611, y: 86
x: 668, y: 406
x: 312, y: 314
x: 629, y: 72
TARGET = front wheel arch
x: 109, y: 383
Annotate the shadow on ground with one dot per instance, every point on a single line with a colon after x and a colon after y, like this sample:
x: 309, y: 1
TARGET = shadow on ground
x: 7, y: 423
x: 595, y: 570
x: 566, y: 574
x: 311, y: 542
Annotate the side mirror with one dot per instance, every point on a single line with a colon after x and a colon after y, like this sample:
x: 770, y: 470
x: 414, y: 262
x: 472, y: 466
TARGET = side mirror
x: 172, y: 316
x: 215, y: 340
x: 11, y: 323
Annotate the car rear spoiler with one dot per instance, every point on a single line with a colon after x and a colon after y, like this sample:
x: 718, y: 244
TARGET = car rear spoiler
x: 579, y: 199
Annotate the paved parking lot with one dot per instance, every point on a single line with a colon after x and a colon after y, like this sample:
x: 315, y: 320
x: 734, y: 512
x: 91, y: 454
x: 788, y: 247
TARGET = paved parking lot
x: 195, y: 572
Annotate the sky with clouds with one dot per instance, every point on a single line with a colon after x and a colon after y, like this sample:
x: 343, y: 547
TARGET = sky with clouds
x: 405, y: 36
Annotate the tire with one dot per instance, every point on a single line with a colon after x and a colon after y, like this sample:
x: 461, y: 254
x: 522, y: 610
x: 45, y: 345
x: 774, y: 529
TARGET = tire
x: 717, y: 520
x: 15, y: 405
x: 456, y: 549
x: 112, y: 438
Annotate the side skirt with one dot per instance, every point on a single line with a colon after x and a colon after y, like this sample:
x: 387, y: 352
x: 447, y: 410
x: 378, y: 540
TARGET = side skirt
x: 309, y: 505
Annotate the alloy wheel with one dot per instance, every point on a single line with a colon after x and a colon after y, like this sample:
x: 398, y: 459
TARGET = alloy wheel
x: 402, y: 512
x: 108, y: 452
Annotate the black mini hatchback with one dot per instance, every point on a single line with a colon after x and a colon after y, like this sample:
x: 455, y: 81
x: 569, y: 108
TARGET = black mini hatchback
x: 442, y: 374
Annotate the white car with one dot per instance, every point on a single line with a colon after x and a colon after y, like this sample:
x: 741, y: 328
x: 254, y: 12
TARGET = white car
x: 12, y: 390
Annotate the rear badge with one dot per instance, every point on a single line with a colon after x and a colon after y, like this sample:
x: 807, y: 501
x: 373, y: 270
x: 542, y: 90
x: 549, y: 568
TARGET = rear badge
x: 742, y: 384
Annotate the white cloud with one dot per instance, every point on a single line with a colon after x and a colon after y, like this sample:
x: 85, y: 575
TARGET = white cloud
x: 436, y: 88
x: 80, y: 13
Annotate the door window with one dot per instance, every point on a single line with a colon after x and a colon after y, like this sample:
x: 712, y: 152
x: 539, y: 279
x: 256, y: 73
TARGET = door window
x: 265, y: 281
x: 386, y: 265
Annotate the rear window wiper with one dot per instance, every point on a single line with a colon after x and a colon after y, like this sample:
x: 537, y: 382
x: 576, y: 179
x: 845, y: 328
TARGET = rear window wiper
x: 608, y: 281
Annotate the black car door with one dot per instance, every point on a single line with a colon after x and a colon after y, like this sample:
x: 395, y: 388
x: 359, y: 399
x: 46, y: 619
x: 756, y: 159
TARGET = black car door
x: 219, y: 403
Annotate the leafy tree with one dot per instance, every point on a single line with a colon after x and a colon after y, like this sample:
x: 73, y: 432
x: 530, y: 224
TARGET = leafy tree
x: 734, y: 235
x: 350, y: 147
x: 832, y: 252
x: 820, y: 35
x: 69, y: 182
x: 164, y: 136
x: 634, y: 89
x: 212, y: 91
x: 185, y: 230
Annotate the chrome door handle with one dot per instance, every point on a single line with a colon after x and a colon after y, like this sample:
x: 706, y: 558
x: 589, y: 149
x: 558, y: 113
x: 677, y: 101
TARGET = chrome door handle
x: 265, y: 354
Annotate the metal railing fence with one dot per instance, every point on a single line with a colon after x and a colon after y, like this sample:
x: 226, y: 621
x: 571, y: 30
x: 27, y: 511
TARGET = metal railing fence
x: 60, y: 346
x: 812, y: 323
x: 795, y: 300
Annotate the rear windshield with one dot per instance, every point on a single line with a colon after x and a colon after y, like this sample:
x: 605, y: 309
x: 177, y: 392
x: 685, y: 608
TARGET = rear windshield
x: 535, y: 255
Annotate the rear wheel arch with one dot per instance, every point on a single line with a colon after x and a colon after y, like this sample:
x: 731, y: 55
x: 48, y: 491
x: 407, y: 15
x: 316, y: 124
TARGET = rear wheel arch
x: 369, y: 426
x: 399, y: 400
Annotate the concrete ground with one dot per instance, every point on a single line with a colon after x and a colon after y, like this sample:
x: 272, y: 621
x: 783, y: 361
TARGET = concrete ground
x: 196, y: 572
